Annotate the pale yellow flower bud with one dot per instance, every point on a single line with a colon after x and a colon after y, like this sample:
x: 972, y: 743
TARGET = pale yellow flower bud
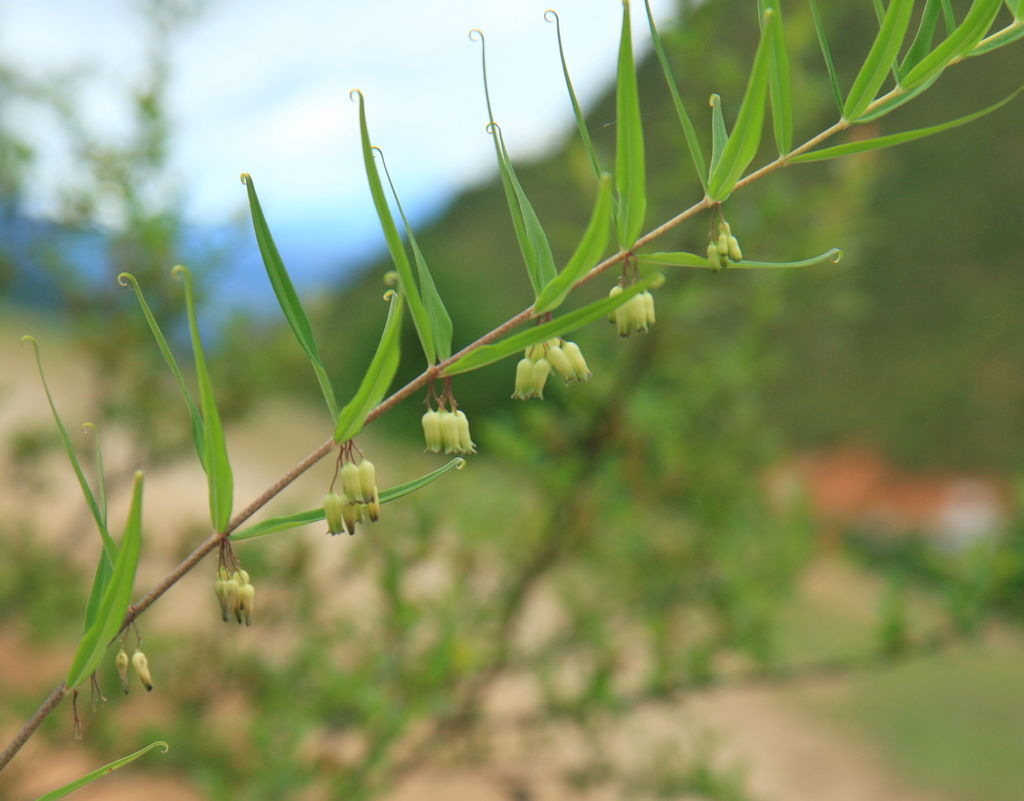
x: 648, y: 306
x: 535, y: 352
x: 624, y: 319
x: 121, y: 662
x: 350, y: 481
x: 541, y: 371
x: 333, y: 505
x: 367, y: 480
x: 449, y: 432
x: 246, y: 599
x: 373, y: 506
x: 579, y: 364
x: 613, y: 317
x: 221, y: 589
x: 723, y: 244
x: 466, y: 444
x: 524, y: 380
x: 353, y: 513
x: 432, y: 430
x: 714, y: 258
x: 141, y: 665
x: 556, y: 358
x: 638, y: 313
x: 734, y: 249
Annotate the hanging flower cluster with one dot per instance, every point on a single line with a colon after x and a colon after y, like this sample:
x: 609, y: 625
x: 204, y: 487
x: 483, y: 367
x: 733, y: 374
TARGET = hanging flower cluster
x: 541, y: 360
x: 235, y: 595
x: 447, y: 427
x: 359, y: 498
x: 725, y: 249
x: 633, y: 316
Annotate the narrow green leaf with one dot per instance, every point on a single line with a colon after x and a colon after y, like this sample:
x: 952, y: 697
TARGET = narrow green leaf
x: 880, y: 59
x: 692, y: 142
x: 950, y: 18
x: 968, y: 34
x: 219, y: 478
x: 109, y: 548
x: 99, y: 774
x: 630, y: 172
x: 878, y: 143
x: 488, y: 354
x: 743, y: 142
x: 879, y: 11
x: 581, y: 122
x: 779, y: 82
x: 437, y: 314
x: 104, y: 565
x: 378, y: 375
x: 276, y: 524
x: 287, y: 297
x: 193, y: 411
x: 533, y: 242
x: 394, y: 241
x: 1011, y: 33
x: 682, y: 259
x: 114, y: 602
x: 587, y: 254
x: 719, y: 135
x: 823, y: 42
x: 923, y: 39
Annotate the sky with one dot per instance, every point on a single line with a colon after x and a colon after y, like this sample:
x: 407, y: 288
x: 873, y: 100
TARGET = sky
x: 262, y: 87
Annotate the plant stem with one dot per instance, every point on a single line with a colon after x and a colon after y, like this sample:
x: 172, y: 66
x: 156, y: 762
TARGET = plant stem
x: 32, y: 724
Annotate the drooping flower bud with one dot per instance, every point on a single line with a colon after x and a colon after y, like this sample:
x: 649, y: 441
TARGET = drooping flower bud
x: 524, y: 380
x: 648, y: 306
x: 535, y: 352
x: 714, y: 258
x: 141, y: 665
x: 350, y: 480
x: 723, y: 244
x: 734, y: 249
x: 121, y: 662
x: 373, y: 506
x: 725, y: 228
x: 333, y: 504
x: 353, y: 513
x: 432, y: 430
x: 624, y: 319
x: 246, y: 599
x: 466, y: 444
x: 241, y: 580
x: 613, y: 316
x: 541, y: 371
x: 449, y: 432
x: 638, y: 313
x: 556, y: 358
x: 367, y: 480
x: 221, y: 588
x: 579, y: 364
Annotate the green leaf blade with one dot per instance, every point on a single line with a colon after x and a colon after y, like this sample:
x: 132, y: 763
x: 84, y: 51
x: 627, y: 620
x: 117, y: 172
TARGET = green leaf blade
x: 586, y: 255
x: 488, y: 354
x: 100, y: 773
x: 219, y: 478
x: 683, y: 259
x: 193, y: 410
x: 779, y: 89
x: 630, y: 170
x: 394, y: 241
x: 287, y: 297
x: 378, y: 375
x: 114, y: 603
x: 827, y: 53
x: 745, y: 138
x: 277, y: 524
x: 696, y: 154
x: 581, y: 123
x: 968, y: 33
x: 1011, y: 33
x: 880, y: 59
x: 880, y: 142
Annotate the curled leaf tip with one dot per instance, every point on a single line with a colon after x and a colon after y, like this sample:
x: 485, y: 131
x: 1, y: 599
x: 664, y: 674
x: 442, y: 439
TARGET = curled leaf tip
x: 713, y: 98
x: 554, y: 16
x: 657, y: 280
x: 245, y: 178
x: 86, y: 426
x: 492, y: 127
x: 31, y: 339
x: 837, y: 256
x: 391, y: 278
x: 180, y: 271
x: 353, y: 93
x: 479, y: 37
x: 460, y: 463
x: 389, y: 294
x: 126, y: 278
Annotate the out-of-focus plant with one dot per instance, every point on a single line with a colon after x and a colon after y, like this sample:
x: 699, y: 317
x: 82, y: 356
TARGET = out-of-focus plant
x: 582, y: 492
